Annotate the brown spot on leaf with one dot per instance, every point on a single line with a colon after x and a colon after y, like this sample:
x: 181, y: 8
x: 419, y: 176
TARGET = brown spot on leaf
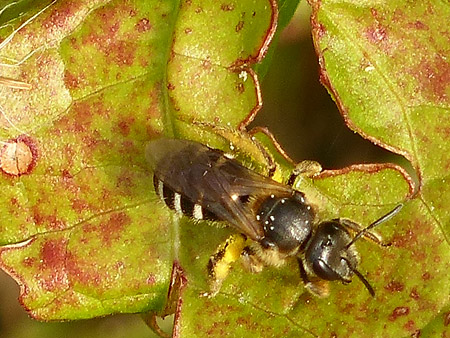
x: 419, y: 25
x: 108, y: 15
x: 239, y: 26
x: 406, y: 240
x: 124, y: 125
x: 114, y: 28
x: 111, y: 229
x: 376, y: 34
x: 61, y: 15
x: 123, y: 53
x: 66, y: 175
x: 129, y: 149
x: 227, y: 7
x: 410, y: 325
x: 53, y: 253
x: 188, y: 31
x: 89, y: 227
x: 70, y: 80
x: 399, y: 311
x: 414, y: 294
x: 104, y: 37
x: 49, y: 221
x: 55, y: 280
x: 426, y: 276
x: 151, y: 279
x: 69, y: 184
x: 419, y: 255
x: 29, y: 262
x: 433, y: 76
x: 79, y: 205
x: 395, y: 286
x: 206, y: 64
x: 76, y: 269
x: 416, y: 334
x: 95, y: 141
x: 447, y: 319
x: 37, y: 217
x: 240, y: 87
x: 143, y: 25
x: 170, y: 86
x: 80, y: 120
x: 125, y: 182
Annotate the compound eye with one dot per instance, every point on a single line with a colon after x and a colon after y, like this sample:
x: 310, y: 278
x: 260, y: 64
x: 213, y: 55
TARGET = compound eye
x: 322, y: 270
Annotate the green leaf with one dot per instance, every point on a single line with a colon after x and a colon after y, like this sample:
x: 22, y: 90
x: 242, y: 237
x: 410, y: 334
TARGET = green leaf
x: 82, y: 230
x: 397, y: 112
x: 439, y: 326
x: 86, y: 85
x: 387, y: 68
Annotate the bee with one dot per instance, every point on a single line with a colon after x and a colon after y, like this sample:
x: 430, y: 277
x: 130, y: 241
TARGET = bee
x: 274, y: 222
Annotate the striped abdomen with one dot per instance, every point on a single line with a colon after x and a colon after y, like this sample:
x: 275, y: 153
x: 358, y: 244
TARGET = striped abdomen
x: 180, y: 203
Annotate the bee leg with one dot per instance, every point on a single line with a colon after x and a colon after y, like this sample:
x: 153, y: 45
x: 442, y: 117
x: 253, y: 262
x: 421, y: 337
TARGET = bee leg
x: 305, y: 168
x: 355, y: 227
x: 248, y: 143
x: 318, y: 287
x: 251, y: 261
x: 271, y: 166
x: 219, y: 264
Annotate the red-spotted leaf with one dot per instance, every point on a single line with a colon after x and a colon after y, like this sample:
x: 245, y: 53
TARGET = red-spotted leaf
x: 85, y: 84
x: 386, y: 66
x: 83, y: 233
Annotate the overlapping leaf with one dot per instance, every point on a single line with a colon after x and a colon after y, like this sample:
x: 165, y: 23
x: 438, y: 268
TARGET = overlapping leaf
x: 83, y: 233
x: 370, y: 58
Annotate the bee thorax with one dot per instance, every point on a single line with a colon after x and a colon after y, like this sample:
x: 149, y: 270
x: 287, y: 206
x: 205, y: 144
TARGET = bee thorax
x: 287, y: 223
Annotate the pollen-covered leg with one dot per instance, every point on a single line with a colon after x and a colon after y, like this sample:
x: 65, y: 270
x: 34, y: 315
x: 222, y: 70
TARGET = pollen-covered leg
x: 251, y: 261
x: 318, y: 288
x: 219, y: 264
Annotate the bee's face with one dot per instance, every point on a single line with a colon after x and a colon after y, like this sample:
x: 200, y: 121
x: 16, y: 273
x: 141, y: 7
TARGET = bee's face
x: 328, y: 255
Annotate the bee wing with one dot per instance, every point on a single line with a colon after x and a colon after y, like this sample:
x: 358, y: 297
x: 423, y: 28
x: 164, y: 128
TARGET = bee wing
x: 233, y: 185
x: 219, y: 184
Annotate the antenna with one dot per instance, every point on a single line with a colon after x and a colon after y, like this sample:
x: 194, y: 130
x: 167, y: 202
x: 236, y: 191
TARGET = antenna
x: 382, y: 219
x: 365, y: 282
x: 361, y: 278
